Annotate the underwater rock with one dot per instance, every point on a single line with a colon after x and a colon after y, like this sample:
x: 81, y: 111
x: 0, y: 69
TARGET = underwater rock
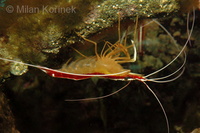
x: 18, y: 69
x: 197, y: 130
x: 104, y: 14
x: 7, y: 122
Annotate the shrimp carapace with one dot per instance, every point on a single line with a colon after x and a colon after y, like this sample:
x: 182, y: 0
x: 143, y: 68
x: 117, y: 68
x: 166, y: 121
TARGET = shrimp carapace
x: 93, y: 65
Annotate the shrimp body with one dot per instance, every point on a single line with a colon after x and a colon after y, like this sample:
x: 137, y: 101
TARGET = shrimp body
x: 105, y: 65
x: 101, y: 65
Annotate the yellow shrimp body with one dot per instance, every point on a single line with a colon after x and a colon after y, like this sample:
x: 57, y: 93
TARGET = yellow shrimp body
x: 93, y: 64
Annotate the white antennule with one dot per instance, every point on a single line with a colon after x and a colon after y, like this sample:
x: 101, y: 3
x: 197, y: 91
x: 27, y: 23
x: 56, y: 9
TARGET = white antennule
x: 19, y: 62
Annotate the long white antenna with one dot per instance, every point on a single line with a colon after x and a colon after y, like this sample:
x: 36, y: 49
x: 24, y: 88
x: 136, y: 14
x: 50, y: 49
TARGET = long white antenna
x: 97, y: 98
x: 165, y: 114
x: 189, y: 36
x: 19, y: 62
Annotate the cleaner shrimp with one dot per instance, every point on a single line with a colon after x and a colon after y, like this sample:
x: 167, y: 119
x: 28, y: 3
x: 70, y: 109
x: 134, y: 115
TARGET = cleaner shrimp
x: 107, y: 64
